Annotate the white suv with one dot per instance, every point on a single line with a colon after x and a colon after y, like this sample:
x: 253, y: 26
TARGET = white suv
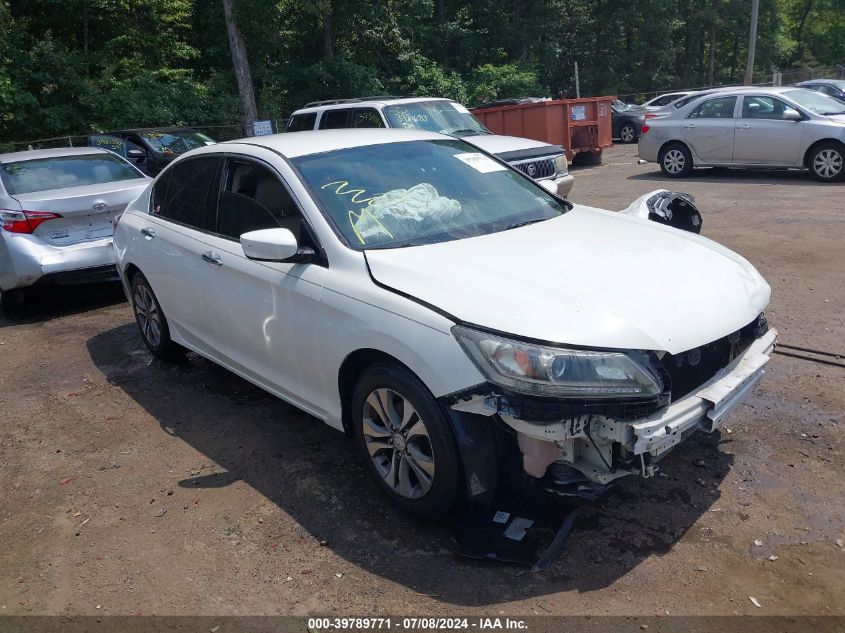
x: 541, y: 161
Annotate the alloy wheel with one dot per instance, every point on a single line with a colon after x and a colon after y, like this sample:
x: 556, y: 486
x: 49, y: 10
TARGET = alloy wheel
x: 828, y: 163
x: 674, y: 161
x: 398, y: 443
x: 626, y: 133
x: 147, y: 314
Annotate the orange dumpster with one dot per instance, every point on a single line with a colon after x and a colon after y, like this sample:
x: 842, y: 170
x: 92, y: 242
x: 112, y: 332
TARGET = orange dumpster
x: 578, y: 125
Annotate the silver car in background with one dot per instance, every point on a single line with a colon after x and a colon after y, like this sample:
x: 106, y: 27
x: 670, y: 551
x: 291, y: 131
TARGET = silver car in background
x: 750, y: 127
x: 57, y: 208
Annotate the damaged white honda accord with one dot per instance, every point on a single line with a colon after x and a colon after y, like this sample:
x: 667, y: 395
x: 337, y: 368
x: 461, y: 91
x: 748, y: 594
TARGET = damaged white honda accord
x: 468, y: 328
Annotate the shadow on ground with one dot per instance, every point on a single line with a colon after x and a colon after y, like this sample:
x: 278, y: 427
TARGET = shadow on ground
x: 313, y: 474
x: 791, y: 177
x: 47, y: 302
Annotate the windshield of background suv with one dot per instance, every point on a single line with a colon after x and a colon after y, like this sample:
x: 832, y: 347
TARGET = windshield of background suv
x: 815, y: 102
x: 176, y: 141
x: 421, y: 192
x: 43, y: 174
x: 446, y: 117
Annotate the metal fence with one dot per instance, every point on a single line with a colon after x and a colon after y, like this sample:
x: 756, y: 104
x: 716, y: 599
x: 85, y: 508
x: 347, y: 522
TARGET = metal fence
x: 217, y: 132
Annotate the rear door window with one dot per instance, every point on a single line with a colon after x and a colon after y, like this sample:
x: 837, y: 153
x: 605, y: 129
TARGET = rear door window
x: 718, y: 108
x: 367, y: 117
x: 302, y: 122
x: 335, y: 119
x: 191, y: 197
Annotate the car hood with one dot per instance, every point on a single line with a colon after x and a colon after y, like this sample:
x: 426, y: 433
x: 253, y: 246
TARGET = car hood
x: 589, y: 277
x: 496, y: 144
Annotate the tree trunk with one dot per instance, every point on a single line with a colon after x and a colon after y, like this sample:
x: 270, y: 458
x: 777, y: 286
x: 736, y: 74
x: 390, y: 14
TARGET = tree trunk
x: 328, y: 49
x: 752, y: 43
x: 714, y: 18
x: 440, y: 8
x: 241, y: 64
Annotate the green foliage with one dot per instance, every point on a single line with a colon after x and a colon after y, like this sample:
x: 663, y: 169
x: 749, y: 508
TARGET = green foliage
x: 74, y: 66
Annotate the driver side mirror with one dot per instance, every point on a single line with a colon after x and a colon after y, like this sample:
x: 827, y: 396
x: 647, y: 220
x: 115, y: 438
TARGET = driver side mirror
x: 275, y: 245
x: 790, y: 114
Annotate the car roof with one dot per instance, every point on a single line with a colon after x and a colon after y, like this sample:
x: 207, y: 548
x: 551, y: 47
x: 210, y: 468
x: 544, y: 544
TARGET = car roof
x: 141, y: 130
x: 352, y: 103
x: 820, y: 81
x: 293, y: 144
x: 55, y: 152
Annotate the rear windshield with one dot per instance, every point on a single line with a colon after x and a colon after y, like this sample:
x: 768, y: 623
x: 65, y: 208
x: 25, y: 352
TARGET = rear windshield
x: 42, y: 174
x: 176, y: 141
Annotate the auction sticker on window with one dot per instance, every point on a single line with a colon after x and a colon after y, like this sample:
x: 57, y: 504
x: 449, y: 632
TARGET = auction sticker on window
x: 480, y: 162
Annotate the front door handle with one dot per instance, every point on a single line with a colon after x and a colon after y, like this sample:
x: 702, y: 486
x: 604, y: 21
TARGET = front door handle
x: 689, y: 125
x: 148, y: 232
x: 212, y: 258
x: 743, y: 126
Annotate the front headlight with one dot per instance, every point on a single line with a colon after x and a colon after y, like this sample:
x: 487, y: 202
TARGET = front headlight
x: 561, y: 165
x: 559, y: 372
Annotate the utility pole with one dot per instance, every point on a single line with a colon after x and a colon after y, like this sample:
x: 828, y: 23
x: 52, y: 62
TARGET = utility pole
x: 577, y: 83
x: 752, y: 43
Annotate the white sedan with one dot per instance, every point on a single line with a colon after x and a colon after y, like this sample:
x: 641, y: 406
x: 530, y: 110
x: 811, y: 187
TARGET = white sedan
x: 463, y: 324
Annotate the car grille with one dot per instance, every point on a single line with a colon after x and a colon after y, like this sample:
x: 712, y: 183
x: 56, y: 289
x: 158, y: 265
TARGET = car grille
x: 543, y: 168
x: 690, y: 369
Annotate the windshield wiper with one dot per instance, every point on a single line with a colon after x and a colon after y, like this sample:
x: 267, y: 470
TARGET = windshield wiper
x: 833, y: 113
x: 516, y: 225
x: 464, y: 132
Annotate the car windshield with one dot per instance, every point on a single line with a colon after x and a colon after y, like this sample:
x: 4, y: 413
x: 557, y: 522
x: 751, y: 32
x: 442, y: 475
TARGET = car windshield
x: 421, y: 192
x: 446, y: 117
x: 815, y: 102
x: 43, y: 174
x: 176, y: 141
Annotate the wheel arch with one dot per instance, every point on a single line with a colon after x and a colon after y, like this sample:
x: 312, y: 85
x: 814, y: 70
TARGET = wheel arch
x: 674, y: 141
x: 811, y: 149
x: 352, y: 367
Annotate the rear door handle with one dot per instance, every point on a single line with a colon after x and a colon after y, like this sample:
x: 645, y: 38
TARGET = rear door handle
x: 689, y: 125
x: 148, y: 232
x: 212, y: 258
x: 743, y: 126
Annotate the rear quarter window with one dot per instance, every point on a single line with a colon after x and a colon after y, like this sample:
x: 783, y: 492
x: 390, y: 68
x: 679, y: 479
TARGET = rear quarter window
x: 302, y: 122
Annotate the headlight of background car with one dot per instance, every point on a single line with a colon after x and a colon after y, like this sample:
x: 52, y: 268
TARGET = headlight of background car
x: 561, y: 165
x: 559, y: 372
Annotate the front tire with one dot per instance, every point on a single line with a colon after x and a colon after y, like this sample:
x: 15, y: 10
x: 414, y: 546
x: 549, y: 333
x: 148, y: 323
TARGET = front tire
x: 675, y: 161
x: 151, y: 321
x: 12, y: 300
x: 406, y: 441
x: 827, y: 162
x: 628, y: 133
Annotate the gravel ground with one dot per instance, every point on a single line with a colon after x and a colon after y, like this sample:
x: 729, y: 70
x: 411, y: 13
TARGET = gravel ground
x: 132, y: 486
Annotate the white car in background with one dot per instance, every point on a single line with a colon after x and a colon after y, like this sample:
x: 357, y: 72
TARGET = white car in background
x: 463, y: 324
x: 663, y: 100
x: 56, y: 209
x: 750, y: 127
x: 536, y: 159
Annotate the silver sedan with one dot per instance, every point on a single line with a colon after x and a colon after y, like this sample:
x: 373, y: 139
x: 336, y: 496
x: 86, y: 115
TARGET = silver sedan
x: 57, y: 208
x: 750, y: 127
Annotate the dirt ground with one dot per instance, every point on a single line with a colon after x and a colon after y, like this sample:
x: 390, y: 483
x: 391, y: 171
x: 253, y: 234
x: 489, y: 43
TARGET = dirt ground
x: 130, y: 486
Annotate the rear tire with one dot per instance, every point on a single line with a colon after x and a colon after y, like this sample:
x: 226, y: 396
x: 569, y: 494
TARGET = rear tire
x: 151, y: 320
x: 628, y: 133
x: 675, y: 160
x: 406, y: 441
x: 827, y: 162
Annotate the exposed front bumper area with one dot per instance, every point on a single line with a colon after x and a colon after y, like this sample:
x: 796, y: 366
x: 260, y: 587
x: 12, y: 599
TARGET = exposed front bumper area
x: 590, y: 450
x: 31, y: 260
x: 564, y: 184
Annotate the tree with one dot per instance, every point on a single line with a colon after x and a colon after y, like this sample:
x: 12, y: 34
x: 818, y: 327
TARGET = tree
x: 240, y: 63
